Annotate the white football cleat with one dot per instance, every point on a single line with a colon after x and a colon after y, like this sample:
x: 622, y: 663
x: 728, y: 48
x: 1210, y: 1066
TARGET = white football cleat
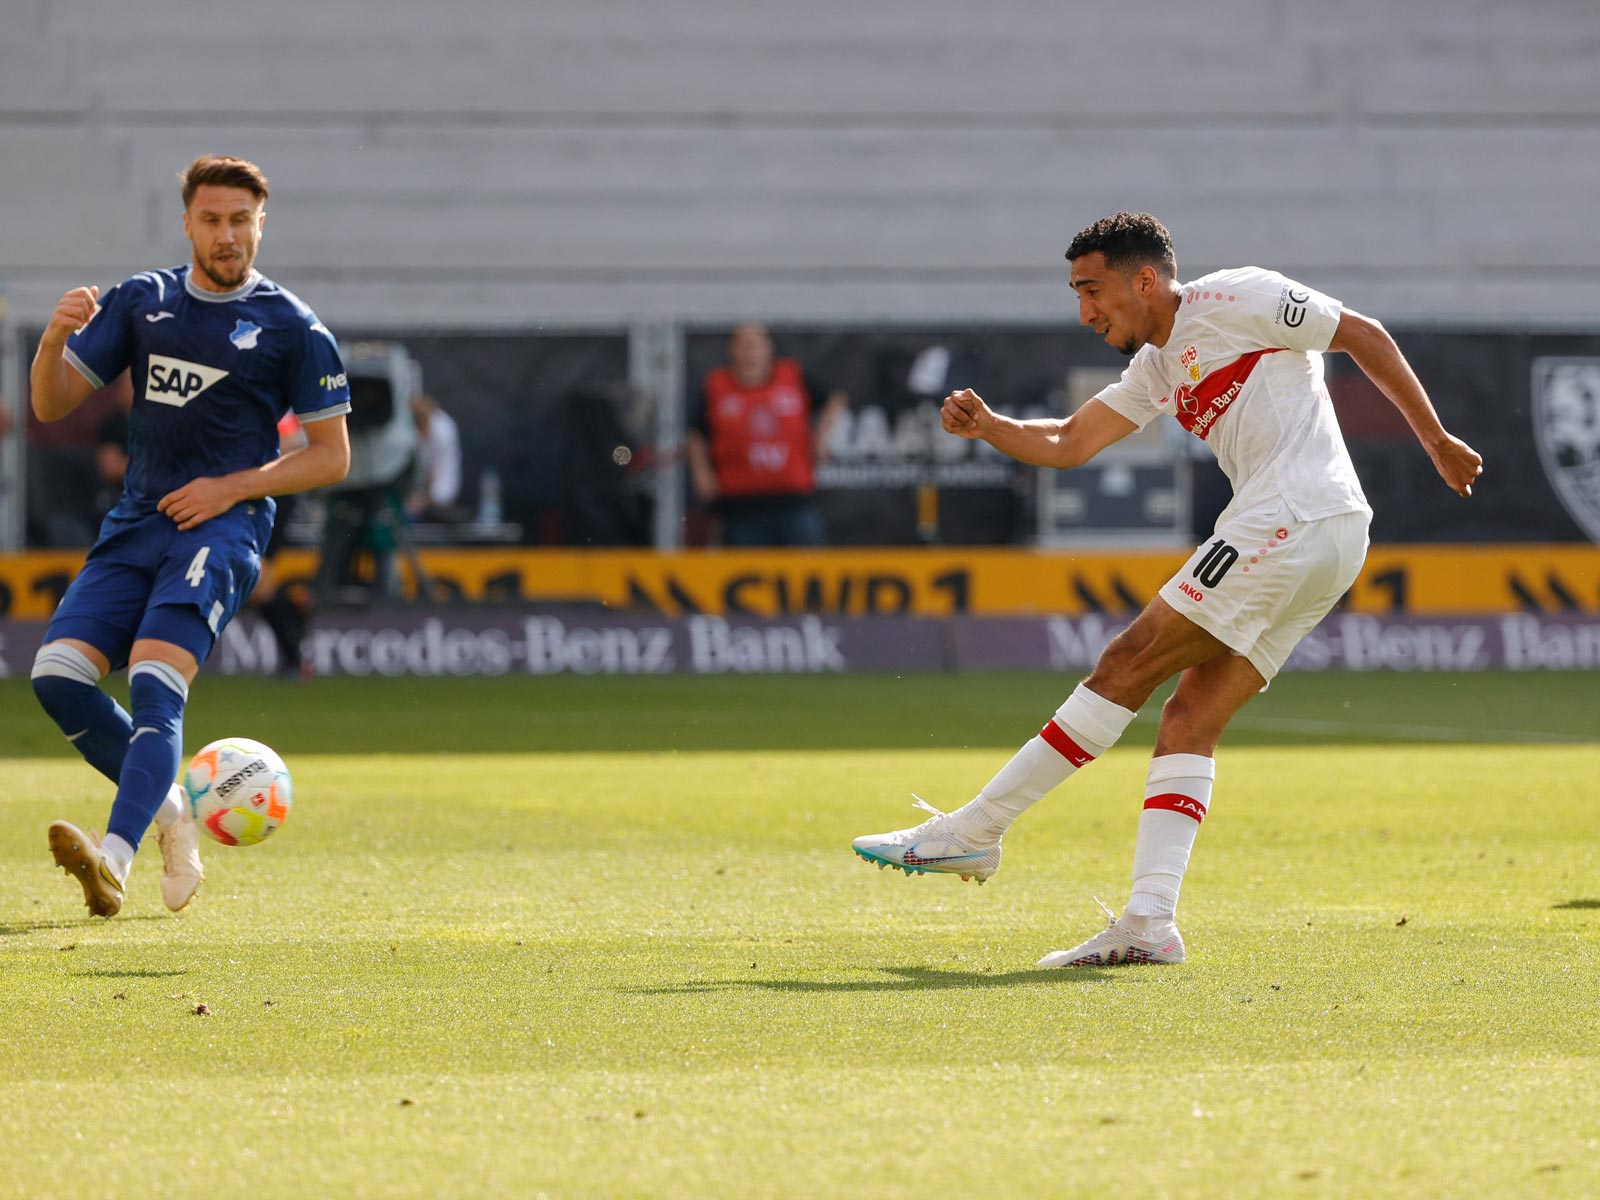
x: 944, y: 843
x: 181, y: 873
x: 1118, y: 945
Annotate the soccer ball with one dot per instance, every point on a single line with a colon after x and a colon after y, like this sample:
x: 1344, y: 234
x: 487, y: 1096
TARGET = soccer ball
x: 239, y: 791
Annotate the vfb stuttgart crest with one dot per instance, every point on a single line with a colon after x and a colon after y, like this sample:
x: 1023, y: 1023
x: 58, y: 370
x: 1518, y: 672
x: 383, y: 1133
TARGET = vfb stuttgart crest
x: 1566, y: 428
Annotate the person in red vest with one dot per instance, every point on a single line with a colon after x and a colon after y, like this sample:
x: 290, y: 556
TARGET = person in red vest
x: 754, y: 444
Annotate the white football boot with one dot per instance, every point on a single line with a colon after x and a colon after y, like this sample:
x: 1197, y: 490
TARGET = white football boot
x: 1118, y: 945
x: 79, y: 855
x: 181, y: 873
x: 945, y: 843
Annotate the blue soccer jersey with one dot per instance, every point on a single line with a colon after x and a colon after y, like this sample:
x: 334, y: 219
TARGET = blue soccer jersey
x: 213, y: 373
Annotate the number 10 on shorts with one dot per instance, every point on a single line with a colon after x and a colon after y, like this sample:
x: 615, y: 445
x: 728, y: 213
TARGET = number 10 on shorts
x: 1210, y: 569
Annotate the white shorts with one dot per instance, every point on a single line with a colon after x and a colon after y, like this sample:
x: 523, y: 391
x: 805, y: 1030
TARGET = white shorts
x: 1265, y: 579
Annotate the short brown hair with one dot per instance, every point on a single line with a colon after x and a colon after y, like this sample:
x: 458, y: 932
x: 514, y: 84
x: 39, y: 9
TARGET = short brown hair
x: 1129, y: 241
x: 221, y: 170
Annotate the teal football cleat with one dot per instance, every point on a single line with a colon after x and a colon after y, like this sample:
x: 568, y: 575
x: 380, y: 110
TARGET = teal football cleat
x: 945, y: 843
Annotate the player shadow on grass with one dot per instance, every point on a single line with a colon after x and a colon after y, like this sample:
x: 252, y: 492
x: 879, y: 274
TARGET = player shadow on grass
x: 897, y: 979
x: 1578, y: 904
x: 17, y: 928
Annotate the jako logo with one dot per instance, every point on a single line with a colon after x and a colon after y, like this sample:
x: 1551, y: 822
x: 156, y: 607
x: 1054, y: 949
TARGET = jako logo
x: 1194, y: 593
x: 1179, y: 803
x: 176, y: 382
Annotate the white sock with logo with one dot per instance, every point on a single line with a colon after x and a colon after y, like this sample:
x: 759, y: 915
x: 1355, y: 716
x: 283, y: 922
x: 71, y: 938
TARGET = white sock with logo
x: 1177, y: 794
x: 1083, y: 729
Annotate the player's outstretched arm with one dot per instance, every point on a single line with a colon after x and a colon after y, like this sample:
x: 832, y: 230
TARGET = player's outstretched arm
x: 324, y: 459
x: 1048, y: 442
x: 1374, y: 351
x: 57, y: 388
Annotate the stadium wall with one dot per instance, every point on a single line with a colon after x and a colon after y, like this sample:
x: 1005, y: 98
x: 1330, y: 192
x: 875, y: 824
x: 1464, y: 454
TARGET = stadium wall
x: 497, y: 643
x: 933, y: 583
x: 498, y: 164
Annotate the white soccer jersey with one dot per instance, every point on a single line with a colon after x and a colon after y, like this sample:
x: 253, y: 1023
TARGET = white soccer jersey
x: 1243, y: 372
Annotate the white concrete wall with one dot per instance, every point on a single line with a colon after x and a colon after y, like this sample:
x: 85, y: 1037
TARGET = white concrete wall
x: 592, y: 161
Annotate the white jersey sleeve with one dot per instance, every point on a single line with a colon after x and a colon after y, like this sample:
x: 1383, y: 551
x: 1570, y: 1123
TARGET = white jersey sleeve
x: 1273, y: 311
x: 1135, y: 395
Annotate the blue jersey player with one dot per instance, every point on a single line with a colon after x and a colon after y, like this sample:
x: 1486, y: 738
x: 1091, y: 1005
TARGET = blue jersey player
x: 218, y: 354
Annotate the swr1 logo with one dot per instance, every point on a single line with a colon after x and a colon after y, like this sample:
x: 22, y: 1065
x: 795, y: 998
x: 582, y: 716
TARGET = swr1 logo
x: 176, y: 381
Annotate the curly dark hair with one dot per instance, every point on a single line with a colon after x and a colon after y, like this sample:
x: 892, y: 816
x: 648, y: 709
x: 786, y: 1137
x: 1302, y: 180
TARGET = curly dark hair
x: 1129, y: 241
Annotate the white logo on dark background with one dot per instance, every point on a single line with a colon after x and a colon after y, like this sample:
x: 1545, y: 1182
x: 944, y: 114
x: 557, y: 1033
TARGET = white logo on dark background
x: 1566, y: 428
x: 244, y: 335
x: 177, y: 381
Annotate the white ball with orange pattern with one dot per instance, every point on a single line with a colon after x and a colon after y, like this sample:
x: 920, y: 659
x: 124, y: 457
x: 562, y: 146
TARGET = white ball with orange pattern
x: 239, y: 791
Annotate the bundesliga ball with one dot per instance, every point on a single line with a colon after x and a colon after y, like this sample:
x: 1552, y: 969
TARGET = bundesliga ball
x: 239, y: 791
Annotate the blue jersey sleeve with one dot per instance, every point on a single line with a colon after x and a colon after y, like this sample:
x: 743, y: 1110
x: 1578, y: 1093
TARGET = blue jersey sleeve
x: 103, y: 349
x: 314, y: 377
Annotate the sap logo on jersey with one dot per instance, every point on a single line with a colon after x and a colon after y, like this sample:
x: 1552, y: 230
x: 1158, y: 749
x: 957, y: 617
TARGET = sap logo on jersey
x: 176, y: 382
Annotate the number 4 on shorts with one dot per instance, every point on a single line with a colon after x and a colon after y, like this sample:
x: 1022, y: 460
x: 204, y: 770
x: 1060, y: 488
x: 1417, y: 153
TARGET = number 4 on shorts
x: 197, y: 569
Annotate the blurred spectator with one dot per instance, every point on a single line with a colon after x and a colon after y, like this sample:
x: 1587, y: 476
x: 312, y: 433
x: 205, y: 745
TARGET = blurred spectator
x: 439, y: 459
x: 754, y: 442
x: 65, y: 493
x: 111, y: 447
x: 287, y: 614
x: 606, y: 484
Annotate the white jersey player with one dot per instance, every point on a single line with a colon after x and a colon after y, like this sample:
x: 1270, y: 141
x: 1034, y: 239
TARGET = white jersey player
x: 1236, y: 358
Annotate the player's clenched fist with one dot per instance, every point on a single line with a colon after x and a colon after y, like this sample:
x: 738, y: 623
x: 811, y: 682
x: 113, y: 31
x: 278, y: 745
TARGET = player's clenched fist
x: 965, y: 414
x: 1458, y: 464
x: 74, y: 311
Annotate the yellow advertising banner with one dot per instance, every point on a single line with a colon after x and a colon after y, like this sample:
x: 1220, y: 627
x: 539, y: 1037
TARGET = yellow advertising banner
x: 1419, y: 580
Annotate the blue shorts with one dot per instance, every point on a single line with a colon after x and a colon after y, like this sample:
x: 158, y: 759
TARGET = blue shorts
x: 144, y: 578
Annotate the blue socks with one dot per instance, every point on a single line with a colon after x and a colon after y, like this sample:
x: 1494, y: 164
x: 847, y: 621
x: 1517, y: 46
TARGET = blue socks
x: 68, y: 687
x: 158, y: 693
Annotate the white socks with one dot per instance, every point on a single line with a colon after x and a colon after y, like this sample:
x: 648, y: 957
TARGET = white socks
x: 1083, y: 729
x: 172, y: 807
x: 117, y: 851
x: 1177, y: 795
x: 118, y: 854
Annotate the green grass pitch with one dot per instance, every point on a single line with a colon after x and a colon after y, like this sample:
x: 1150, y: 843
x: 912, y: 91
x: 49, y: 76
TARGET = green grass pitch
x: 606, y: 938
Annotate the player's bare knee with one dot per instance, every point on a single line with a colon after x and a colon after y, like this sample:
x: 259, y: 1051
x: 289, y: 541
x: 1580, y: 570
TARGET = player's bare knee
x: 75, y: 651
x: 1187, y: 728
x: 154, y: 650
x: 1180, y: 717
x: 1131, y: 667
x: 1115, y: 679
